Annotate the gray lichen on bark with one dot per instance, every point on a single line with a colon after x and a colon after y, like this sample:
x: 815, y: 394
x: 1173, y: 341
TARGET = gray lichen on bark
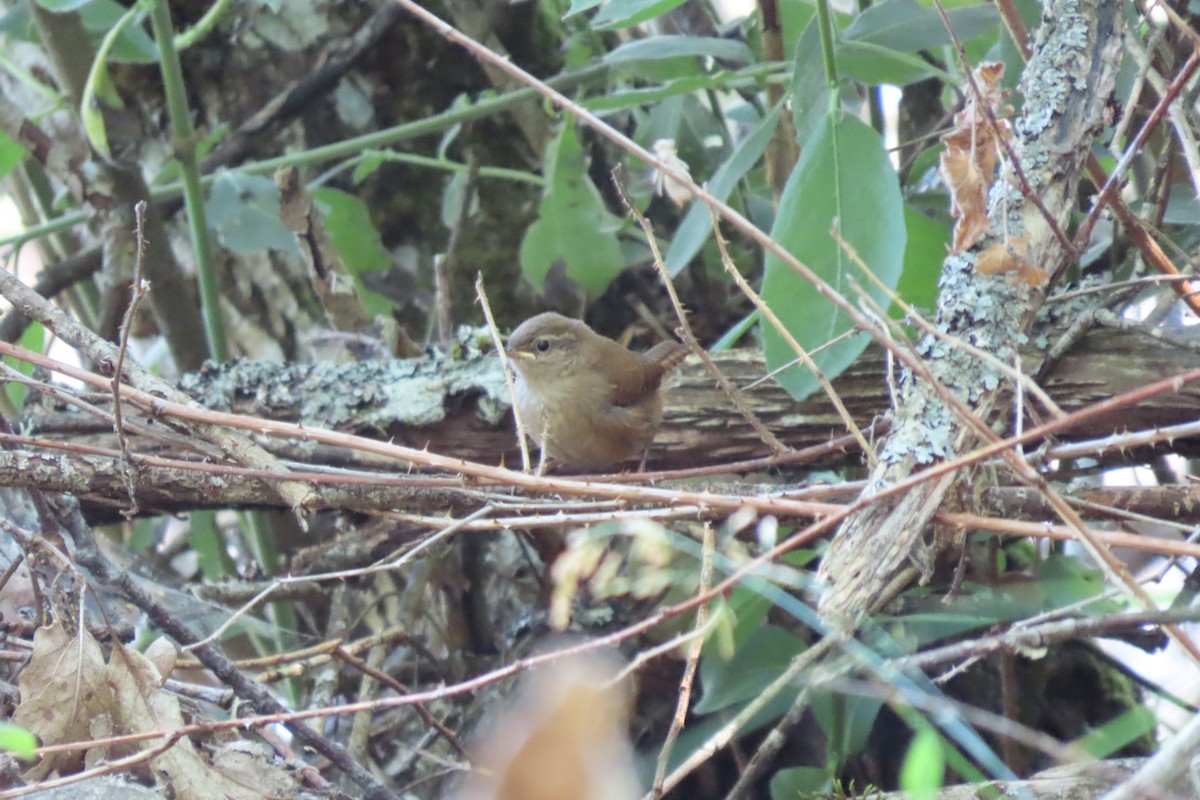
x: 368, y: 394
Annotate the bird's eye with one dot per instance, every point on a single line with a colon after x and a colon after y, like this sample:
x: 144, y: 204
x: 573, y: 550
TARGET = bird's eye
x: 542, y: 345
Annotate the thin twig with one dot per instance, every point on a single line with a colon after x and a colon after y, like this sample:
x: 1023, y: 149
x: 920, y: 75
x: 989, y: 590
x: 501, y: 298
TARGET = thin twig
x: 1109, y: 188
x: 357, y: 663
x: 137, y: 293
x: 447, y: 263
x: 708, y: 546
x: 502, y: 354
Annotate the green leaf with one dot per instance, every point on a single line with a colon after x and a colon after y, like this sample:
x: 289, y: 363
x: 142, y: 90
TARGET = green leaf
x: 33, y: 339
x: 1182, y: 206
x: 1118, y: 732
x: 698, y: 734
x: 923, y: 256
x: 756, y: 662
x: 903, y: 25
x: 133, y: 44
x: 356, y: 241
x: 243, y: 211
x: 810, y: 90
x: 18, y: 741
x: 90, y: 112
x: 797, y: 782
x: 662, y: 47
x: 369, y: 162
x: 694, y: 229
x: 794, y: 19
x: 846, y: 722
x: 873, y: 64
x: 844, y: 178
x: 650, y: 95
x: 924, y: 766
x: 11, y: 153
x: 98, y: 87
x: 624, y: 13
x: 1067, y: 580
x: 18, y: 23
x: 573, y: 227
x: 579, y: 6
x: 63, y: 6
x: 730, y: 337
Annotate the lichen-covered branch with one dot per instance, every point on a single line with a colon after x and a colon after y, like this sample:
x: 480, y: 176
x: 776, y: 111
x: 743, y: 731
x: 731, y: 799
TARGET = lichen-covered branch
x: 1065, y: 86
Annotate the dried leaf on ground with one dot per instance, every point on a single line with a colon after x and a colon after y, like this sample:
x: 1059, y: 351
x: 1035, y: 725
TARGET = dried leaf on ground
x: 69, y: 694
x: 63, y: 692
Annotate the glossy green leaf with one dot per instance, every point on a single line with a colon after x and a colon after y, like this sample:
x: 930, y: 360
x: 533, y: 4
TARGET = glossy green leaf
x: 573, y: 228
x: 694, y: 229
x: 356, y: 241
x: 661, y: 47
x: 924, y: 766
x: 243, y: 211
x: 903, y: 25
x: 844, y: 179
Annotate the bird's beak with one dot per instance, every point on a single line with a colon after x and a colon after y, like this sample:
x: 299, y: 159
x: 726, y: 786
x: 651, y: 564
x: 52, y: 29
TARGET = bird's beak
x: 518, y: 355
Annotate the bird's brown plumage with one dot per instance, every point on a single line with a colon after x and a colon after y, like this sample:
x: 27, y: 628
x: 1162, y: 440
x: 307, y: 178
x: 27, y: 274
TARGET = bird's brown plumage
x: 585, y: 399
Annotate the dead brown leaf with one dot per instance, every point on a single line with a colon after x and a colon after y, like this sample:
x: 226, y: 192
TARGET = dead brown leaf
x: 969, y: 160
x: 69, y: 694
x: 63, y: 692
x: 1011, y: 256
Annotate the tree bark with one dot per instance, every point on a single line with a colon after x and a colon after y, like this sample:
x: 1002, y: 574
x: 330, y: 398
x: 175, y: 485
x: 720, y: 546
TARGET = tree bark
x: 459, y: 408
x: 1065, y: 86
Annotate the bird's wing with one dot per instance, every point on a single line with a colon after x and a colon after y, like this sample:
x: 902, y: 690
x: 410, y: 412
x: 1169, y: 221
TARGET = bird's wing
x: 639, y: 374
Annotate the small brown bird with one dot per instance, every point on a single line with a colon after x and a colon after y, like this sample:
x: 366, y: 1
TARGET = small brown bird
x: 586, y: 400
